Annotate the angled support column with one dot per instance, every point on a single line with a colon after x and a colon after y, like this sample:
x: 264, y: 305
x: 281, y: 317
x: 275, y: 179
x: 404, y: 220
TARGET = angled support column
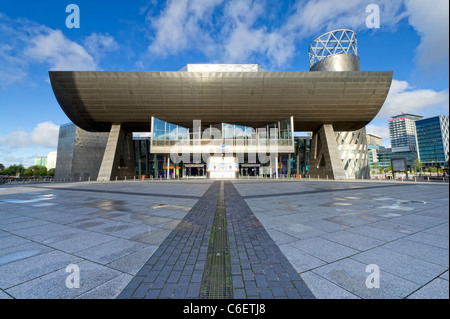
x: 325, y: 159
x: 118, y: 159
x: 354, y: 153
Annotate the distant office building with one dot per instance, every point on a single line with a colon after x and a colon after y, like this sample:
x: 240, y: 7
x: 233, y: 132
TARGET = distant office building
x: 41, y: 161
x: 51, y: 160
x: 384, y: 156
x: 432, y: 140
x: 374, y: 143
x: 374, y: 140
x: 402, y: 132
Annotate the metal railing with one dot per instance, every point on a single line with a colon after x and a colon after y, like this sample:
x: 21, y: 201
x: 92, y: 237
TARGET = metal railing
x: 25, y: 179
x: 228, y: 142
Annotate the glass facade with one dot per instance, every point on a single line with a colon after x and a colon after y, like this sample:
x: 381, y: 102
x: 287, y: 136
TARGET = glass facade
x: 153, y: 156
x: 163, y: 132
x: 300, y: 160
x: 385, y: 155
x: 432, y: 140
x: 167, y: 134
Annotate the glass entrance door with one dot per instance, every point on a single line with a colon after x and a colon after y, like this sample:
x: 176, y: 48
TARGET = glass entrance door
x: 195, y: 171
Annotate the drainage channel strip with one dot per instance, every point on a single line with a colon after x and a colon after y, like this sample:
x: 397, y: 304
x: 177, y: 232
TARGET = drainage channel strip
x: 216, y: 281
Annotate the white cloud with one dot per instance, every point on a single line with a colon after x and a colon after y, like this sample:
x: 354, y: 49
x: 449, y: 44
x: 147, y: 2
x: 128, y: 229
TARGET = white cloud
x: 59, y: 52
x: 12, y: 68
x: 243, y: 38
x: 431, y: 21
x: 24, y: 43
x: 237, y: 31
x: 228, y: 33
x: 380, y: 130
x: 99, y: 44
x: 402, y: 98
x: 44, y: 134
x: 181, y: 25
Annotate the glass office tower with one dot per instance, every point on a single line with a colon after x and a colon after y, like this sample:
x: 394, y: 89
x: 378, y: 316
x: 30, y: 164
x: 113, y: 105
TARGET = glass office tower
x: 432, y: 140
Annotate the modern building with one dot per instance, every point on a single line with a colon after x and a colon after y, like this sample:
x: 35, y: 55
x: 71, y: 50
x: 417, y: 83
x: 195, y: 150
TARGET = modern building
x: 432, y: 138
x: 41, y: 161
x: 51, y: 160
x: 374, y: 143
x: 48, y: 161
x: 222, y: 121
x: 374, y: 140
x: 384, y: 156
x: 402, y: 132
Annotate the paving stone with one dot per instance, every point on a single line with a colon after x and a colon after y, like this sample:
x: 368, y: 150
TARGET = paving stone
x: 409, y: 241
x: 323, y: 249
x: 172, y: 264
x: 437, y: 289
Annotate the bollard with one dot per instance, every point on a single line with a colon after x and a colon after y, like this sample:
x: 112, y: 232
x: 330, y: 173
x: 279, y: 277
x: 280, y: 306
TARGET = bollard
x: 428, y: 177
x: 116, y: 178
x: 89, y: 178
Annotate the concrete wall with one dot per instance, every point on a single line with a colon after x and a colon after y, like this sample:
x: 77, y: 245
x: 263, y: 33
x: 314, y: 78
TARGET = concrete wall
x: 80, y: 153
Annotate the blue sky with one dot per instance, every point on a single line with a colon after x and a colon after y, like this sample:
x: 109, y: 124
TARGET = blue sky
x: 149, y: 35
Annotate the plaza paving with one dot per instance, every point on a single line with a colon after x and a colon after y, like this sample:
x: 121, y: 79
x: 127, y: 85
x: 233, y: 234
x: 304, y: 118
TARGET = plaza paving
x: 286, y: 239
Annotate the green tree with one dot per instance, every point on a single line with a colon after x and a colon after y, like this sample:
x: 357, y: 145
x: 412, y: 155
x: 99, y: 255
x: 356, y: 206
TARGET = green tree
x: 376, y: 167
x: 51, y: 172
x: 13, y: 170
x: 418, y: 165
x: 36, y: 170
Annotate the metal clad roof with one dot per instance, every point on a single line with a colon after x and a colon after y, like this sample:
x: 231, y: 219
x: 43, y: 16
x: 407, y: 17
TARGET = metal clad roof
x: 94, y: 100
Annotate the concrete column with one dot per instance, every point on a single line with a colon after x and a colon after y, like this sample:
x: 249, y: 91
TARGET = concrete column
x: 155, y: 160
x: 164, y: 170
x: 168, y: 167
x: 276, y: 167
x: 118, y: 160
x: 289, y: 166
x: 139, y: 158
x: 325, y: 158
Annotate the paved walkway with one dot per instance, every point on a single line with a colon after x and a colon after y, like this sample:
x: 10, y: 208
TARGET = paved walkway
x: 258, y: 268
x: 333, y: 233
x: 257, y: 239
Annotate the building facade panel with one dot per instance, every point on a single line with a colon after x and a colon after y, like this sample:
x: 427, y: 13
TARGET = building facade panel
x: 181, y: 98
x: 433, y: 140
x: 79, y: 153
